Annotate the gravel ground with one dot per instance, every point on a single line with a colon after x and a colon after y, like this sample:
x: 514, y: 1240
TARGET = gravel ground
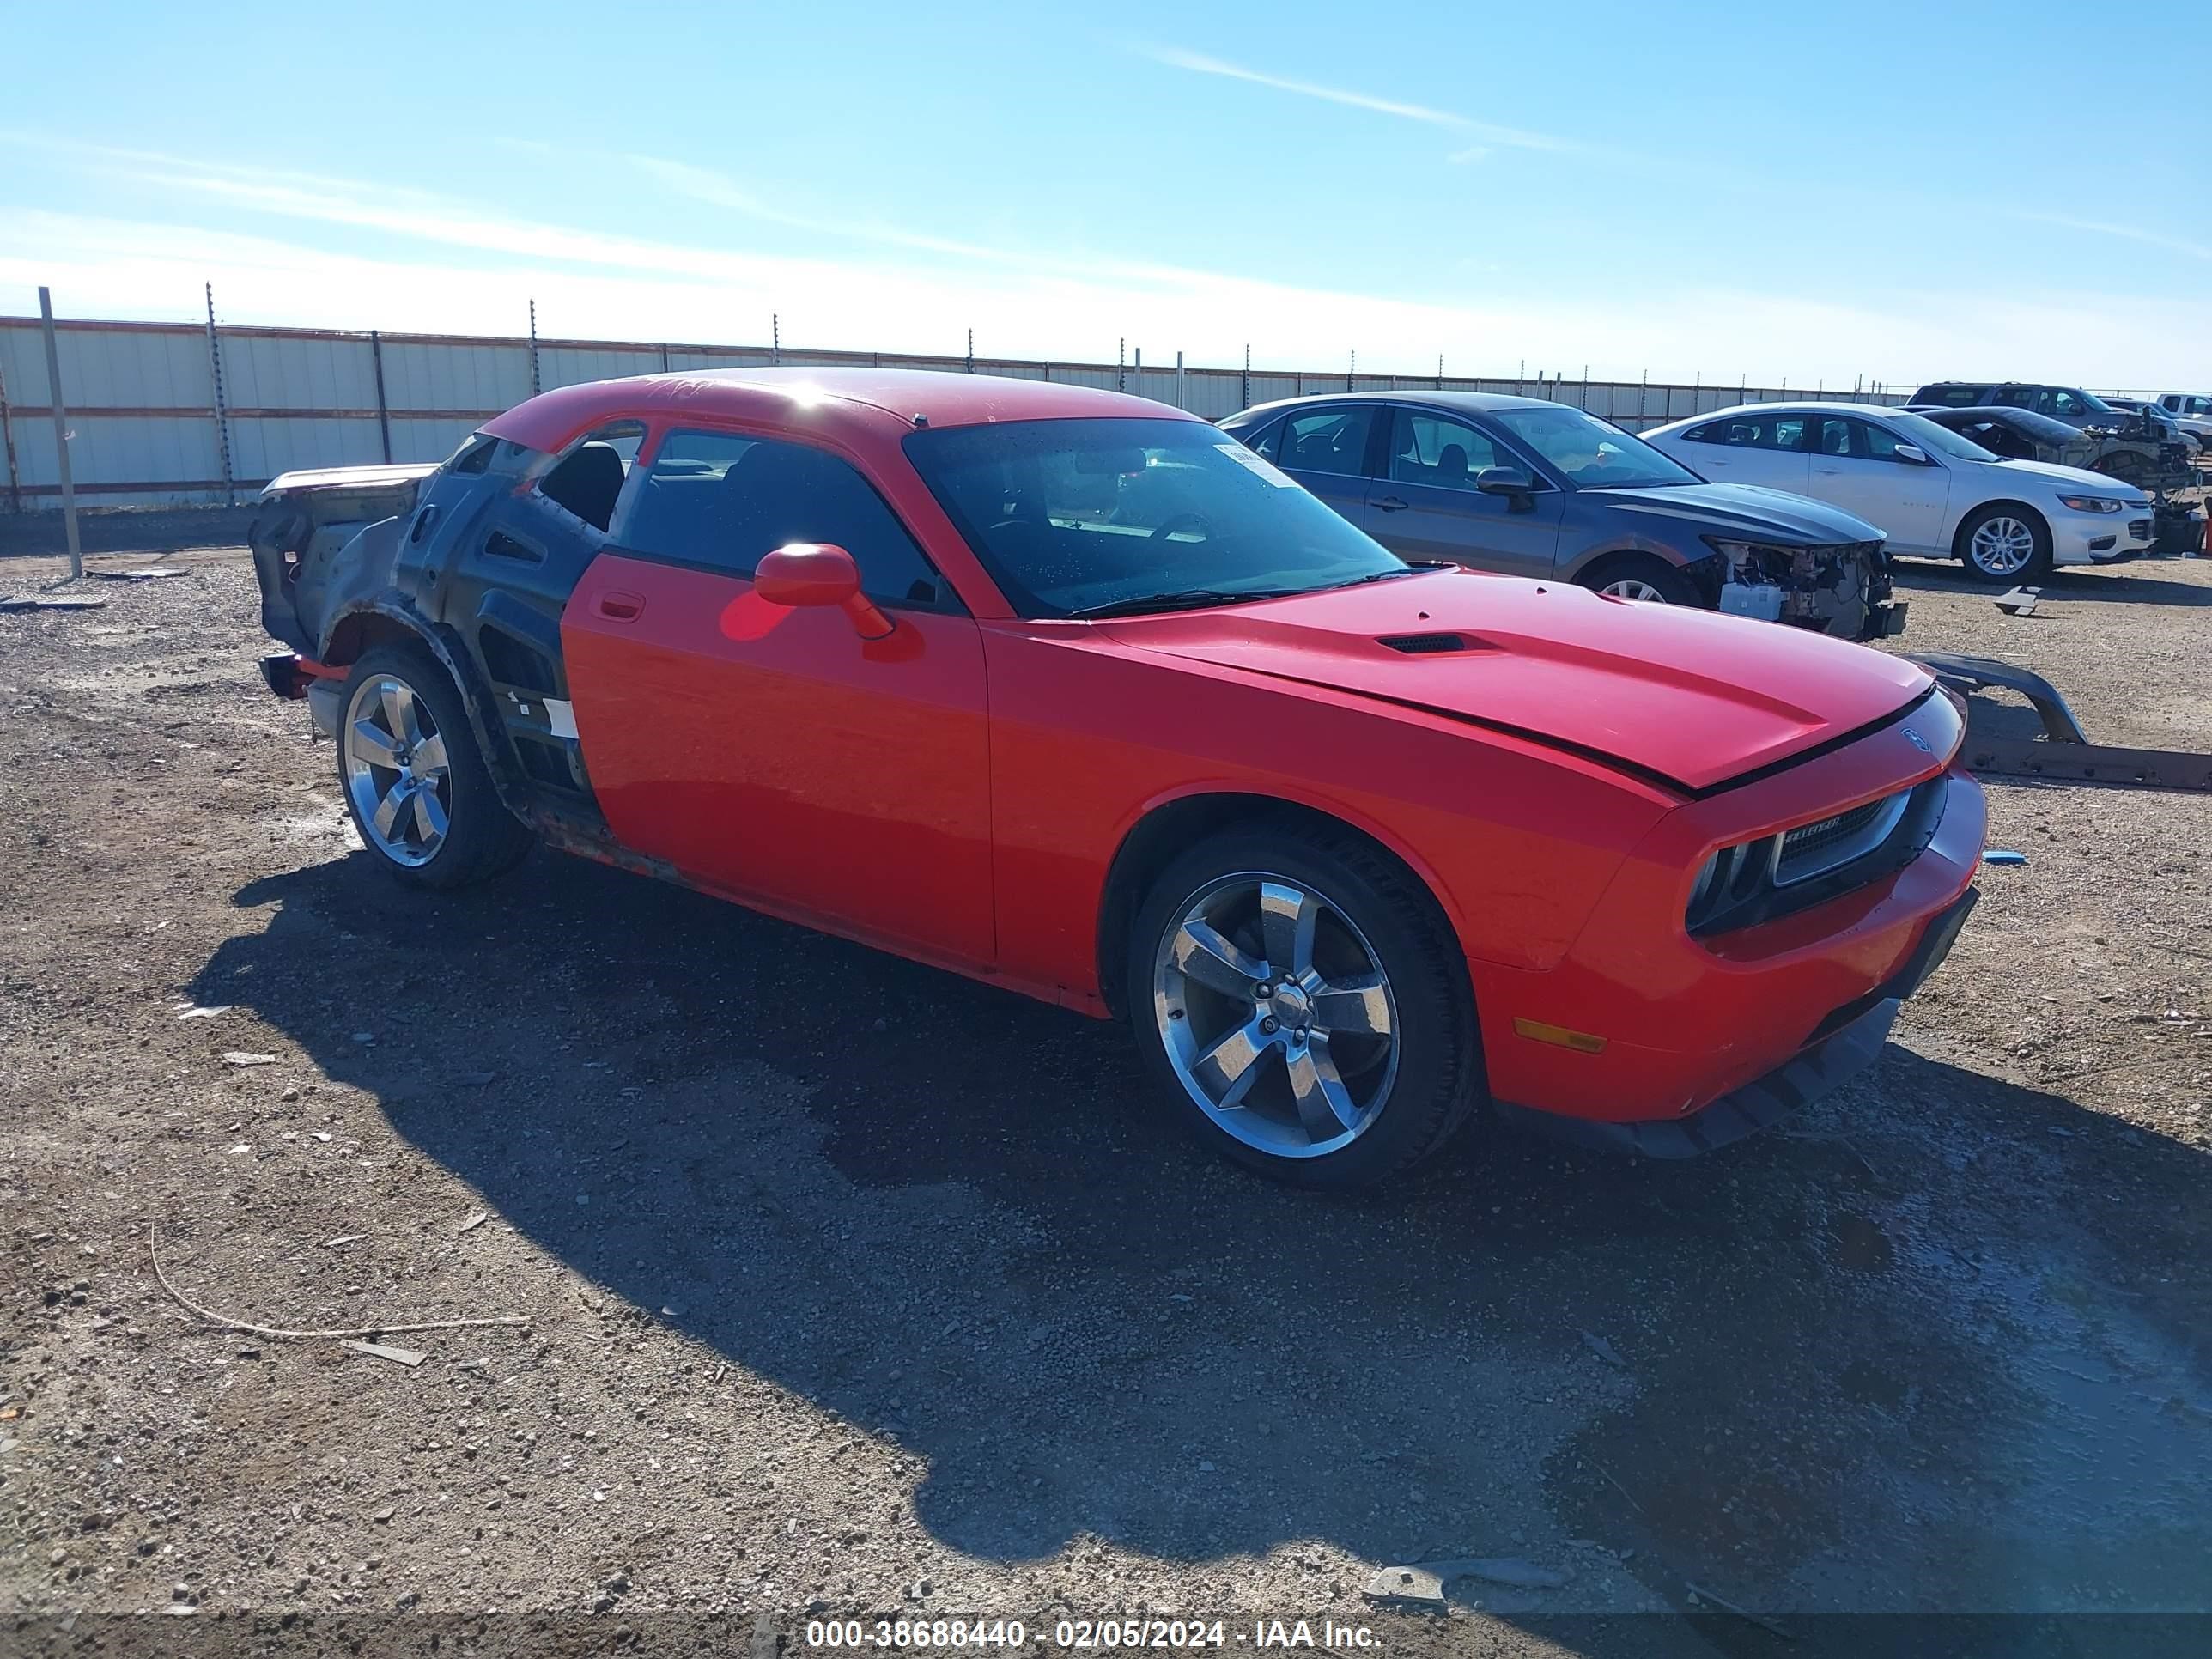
x: 857, y: 1288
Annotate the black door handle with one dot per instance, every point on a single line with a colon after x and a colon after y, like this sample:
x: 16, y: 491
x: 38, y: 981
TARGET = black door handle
x: 1391, y: 504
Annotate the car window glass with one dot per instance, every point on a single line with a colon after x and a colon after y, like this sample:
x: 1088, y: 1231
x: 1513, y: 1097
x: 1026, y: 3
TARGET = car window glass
x: 589, y: 480
x: 1860, y: 441
x: 1067, y: 515
x: 2200, y: 405
x: 1952, y: 396
x: 2068, y: 406
x: 1329, y: 440
x: 723, y: 501
x: 1267, y: 439
x: 1428, y: 449
x: 1756, y: 431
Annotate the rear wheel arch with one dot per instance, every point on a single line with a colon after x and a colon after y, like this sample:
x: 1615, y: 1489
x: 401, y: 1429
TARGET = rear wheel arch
x: 370, y: 627
x: 1170, y: 826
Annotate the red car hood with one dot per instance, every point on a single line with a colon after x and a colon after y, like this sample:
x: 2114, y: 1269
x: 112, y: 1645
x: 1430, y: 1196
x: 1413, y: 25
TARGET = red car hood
x: 1694, y: 696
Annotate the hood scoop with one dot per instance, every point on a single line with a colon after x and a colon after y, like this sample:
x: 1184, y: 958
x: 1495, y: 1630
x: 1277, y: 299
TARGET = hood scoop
x: 1428, y: 645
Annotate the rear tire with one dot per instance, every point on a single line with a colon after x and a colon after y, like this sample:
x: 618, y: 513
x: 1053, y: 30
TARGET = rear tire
x: 414, y: 783
x: 1361, y: 1057
x: 1640, y: 576
x: 2004, y: 544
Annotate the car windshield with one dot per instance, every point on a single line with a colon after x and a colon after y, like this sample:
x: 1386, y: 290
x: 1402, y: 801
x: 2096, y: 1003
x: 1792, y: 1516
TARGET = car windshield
x: 1593, y: 454
x: 1073, y: 517
x: 1935, y: 440
x: 2041, y: 427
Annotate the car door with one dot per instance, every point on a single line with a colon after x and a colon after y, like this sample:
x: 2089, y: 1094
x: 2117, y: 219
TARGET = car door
x: 1425, y: 505
x: 1755, y: 447
x: 772, y: 752
x: 1325, y: 448
x: 1856, y: 467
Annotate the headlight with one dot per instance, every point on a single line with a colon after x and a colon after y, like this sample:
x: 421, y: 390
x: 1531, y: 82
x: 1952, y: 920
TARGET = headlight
x: 2092, y: 503
x: 1734, y: 552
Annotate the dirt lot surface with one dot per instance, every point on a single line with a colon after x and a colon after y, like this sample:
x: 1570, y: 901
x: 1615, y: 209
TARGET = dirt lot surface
x: 855, y: 1287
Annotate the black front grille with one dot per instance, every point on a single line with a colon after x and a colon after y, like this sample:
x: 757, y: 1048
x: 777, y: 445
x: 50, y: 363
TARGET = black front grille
x: 2139, y: 530
x: 1806, y: 839
x: 1755, y: 882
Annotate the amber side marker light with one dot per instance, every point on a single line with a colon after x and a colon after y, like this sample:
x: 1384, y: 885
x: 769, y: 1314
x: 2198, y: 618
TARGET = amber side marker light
x: 1581, y: 1041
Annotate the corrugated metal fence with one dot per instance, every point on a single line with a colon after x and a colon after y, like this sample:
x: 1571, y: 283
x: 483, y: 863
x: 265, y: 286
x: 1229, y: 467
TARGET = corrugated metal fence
x: 149, y: 427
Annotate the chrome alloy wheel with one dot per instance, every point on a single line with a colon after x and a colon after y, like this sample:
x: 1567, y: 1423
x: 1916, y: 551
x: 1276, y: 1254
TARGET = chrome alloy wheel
x: 1276, y: 1015
x: 1627, y: 587
x: 2002, y: 546
x: 396, y: 770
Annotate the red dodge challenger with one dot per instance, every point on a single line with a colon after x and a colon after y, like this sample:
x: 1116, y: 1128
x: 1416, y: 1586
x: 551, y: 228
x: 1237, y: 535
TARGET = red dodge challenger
x: 1073, y: 693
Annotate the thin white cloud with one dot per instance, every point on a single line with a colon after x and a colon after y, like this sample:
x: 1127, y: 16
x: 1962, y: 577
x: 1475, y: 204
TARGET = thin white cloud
x: 1513, y: 138
x: 1473, y: 153
x: 2126, y: 233
x: 124, y: 268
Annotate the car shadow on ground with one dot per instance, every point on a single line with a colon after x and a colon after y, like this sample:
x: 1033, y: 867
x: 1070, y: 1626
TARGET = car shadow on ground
x: 960, y: 1219
x: 2120, y: 584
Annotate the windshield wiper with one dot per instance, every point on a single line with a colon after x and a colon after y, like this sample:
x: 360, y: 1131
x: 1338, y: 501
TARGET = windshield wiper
x: 1411, y: 567
x: 1187, y: 599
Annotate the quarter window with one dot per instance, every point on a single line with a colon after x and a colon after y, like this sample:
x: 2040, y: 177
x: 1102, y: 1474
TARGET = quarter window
x: 1427, y: 449
x: 587, y: 481
x: 723, y: 501
x: 1328, y: 440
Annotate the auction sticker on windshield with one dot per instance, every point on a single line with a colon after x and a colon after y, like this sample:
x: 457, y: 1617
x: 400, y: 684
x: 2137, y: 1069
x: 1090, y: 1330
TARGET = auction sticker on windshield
x: 1259, y: 464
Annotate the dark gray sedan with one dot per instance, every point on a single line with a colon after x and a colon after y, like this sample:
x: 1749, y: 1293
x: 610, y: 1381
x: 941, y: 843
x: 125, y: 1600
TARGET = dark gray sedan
x: 1534, y: 489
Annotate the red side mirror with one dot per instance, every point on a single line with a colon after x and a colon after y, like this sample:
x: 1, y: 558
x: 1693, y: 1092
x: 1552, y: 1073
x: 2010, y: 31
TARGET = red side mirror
x: 802, y: 574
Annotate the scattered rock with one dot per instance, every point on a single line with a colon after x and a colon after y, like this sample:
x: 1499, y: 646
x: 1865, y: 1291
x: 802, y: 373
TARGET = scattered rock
x: 1604, y: 1350
x: 239, y: 1057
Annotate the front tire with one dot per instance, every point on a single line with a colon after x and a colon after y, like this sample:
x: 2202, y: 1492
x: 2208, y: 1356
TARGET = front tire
x: 421, y: 796
x: 1304, y: 1004
x: 2004, y: 544
x: 1639, y: 576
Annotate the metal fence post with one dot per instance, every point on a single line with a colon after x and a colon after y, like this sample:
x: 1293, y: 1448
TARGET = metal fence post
x: 1182, y: 401
x: 1351, y: 367
x: 1244, y: 384
x: 222, y: 412
x: 972, y: 351
x: 7, y: 439
x: 383, y: 409
x: 61, y: 434
x: 534, y: 385
x: 1121, y: 362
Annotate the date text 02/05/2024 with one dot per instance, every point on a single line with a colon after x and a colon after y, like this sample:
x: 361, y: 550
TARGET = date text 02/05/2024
x: 1101, y: 1635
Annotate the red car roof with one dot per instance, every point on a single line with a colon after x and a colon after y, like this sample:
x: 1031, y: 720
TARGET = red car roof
x: 552, y: 419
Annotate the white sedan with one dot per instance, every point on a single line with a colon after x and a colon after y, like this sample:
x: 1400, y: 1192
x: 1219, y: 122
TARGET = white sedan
x: 1934, y: 493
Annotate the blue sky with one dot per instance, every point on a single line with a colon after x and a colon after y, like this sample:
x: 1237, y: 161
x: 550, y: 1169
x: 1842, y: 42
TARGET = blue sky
x: 1821, y: 193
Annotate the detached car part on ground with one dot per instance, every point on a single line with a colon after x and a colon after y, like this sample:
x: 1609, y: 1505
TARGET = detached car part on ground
x: 1529, y: 488
x: 1936, y: 495
x: 1076, y: 695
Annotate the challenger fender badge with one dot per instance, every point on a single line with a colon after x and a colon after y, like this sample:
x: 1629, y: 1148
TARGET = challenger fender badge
x: 1917, y: 741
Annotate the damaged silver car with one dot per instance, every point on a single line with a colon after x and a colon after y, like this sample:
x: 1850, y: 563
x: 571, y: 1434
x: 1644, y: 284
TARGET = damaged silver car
x: 1529, y: 488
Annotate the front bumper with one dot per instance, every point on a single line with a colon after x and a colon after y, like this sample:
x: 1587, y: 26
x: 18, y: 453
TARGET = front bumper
x: 2099, y: 538
x: 1682, y: 1021
x: 1855, y: 1034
